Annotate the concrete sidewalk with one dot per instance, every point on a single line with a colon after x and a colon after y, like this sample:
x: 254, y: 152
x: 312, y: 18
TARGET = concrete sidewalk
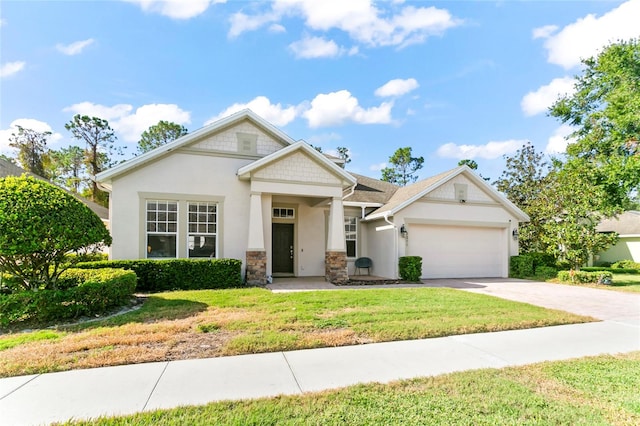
x: 82, y: 394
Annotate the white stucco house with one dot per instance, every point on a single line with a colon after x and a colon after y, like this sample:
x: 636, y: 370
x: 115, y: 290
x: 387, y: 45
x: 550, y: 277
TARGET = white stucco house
x: 627, y: 226
x: 241, y: 188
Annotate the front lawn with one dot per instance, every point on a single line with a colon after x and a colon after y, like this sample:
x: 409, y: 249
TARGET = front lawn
x: 208, y: 323
x: 590, y: 391
x: 629, y: 283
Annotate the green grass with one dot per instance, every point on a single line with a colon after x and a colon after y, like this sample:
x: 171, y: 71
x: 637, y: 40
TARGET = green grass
x: 626, y: 282
x: 209, y: 323
x: 22, y: 338
x: 590, y: 391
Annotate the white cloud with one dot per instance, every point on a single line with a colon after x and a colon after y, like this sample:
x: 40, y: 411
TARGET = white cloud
x: 315, y: 47
x: 336, y: 108
x: 3, y: 22
x: 377, y: 167
x: 537, y: 102
x: 11, y: 68
x: 544, y: 32
x: 397, y: 87
x: 261, y: 105
x: 175, y: 9
x: 75, y: 47
x: 277, y: 28
x: 26, y: 123
x: 586, y: 36
x: 488, y: 151
x: 558, y: 141
x: 360, y: 19
x: 130, y: 124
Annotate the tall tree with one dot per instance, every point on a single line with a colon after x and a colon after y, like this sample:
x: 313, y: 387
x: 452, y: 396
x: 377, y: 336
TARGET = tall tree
x: 403, y: 167
x: 605, y: 110
x: 569, y: 210
x: 160, y: 134
x: 67, y: 167
x: 343, y: 153
x: 468, y: 162
x: 523, y: 182
x: 32, y: 149
x: 99, y: 142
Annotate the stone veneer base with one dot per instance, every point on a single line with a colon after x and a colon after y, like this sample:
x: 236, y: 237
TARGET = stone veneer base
x: 256, y: 267
x: 335, y: 267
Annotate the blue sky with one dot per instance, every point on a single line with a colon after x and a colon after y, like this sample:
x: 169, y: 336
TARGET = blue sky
x: 452, y: 80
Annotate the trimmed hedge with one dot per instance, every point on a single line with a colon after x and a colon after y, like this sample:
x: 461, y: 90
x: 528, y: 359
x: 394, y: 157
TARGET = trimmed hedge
x: 410, y: 268
x: 626, y: 264
x: 177, y: 274
x: 530, y: 264
x: 98, y: 292
x: 612, y: 270
x: 584, y: 277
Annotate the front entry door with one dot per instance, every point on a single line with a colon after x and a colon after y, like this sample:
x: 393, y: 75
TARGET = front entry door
x: 282, y: 248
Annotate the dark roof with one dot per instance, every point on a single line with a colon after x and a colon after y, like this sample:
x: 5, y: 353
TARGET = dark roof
x: 9, y: 169
x: 370, y: 190
x: 628, y: 223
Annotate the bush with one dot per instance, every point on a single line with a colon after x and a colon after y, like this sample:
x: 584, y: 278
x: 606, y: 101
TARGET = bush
x: 98, y: 291
x: 612, y: 270
x: 410, y: 268
x: 39, y: 224
x: 526, y: 265
x: 178, y: 274
x: 546, y: 272
x: 585, y: 277
x: 626, y: 264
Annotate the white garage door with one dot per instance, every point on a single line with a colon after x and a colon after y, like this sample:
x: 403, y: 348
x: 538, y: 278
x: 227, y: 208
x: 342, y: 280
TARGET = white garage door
x: 458, y: 252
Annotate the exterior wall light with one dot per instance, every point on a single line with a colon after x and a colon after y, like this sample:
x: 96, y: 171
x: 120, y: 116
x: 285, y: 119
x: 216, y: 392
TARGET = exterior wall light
x: 403, y: 231
x: 515, y: 234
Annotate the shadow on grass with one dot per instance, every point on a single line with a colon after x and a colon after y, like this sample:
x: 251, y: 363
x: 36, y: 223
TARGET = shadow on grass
x: 153, y: 309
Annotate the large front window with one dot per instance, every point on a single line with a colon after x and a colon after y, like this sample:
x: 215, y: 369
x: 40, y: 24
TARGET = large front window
x: 162, y: 228
x: 351, y: 235
x: 202, y: 228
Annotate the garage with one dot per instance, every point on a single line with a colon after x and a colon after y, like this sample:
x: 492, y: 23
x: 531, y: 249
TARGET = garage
x: 459, y: 251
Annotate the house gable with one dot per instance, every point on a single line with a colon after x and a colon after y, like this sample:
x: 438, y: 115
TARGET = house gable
x: 459, y: 189
x: 297, y: 167
x: 244, y: 139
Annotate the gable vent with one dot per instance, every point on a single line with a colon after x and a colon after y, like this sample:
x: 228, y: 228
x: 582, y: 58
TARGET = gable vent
x: 461, y: 192
x: 247, y: 143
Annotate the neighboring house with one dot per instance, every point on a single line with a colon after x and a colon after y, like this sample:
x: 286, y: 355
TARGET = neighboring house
x: 241, y: 188
x: 10, y: 169
x: 627, y: 225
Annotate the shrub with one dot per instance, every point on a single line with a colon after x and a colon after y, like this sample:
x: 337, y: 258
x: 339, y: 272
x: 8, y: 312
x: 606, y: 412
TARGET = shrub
x: 626, y: 264
x: 178, y: 274
x: 98, y: 292
x: 612, y: 270
x: 584, y: 277
x: 410, y: 268
x: 546, y: 272
x: 39, y: 224
x: 526, y: 265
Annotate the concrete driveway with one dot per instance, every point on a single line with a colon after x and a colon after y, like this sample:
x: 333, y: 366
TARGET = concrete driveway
x: 600, y: 304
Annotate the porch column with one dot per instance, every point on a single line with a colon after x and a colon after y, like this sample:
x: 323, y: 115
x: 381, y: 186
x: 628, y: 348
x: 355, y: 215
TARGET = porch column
x: 336, y: 254
x: 256, y: 253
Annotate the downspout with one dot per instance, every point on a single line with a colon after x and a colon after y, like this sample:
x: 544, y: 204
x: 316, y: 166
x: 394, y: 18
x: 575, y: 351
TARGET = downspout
x: 353, y: 189
x: 395, y: 244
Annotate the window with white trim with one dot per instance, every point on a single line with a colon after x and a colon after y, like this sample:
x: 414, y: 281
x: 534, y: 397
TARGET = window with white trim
x: 162, y: 228
x: 283, y: 213
x: 351, y: 234
x: 202, y: 228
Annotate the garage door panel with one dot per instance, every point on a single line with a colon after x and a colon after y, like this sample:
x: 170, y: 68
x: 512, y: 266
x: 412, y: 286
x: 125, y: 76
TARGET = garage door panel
x: 457, y: 251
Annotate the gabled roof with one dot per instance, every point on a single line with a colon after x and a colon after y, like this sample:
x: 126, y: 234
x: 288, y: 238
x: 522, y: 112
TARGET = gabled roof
x: 106, y: 176
x: 627, y: 223
x: 370, y: 190
x: 404, y: 196
x: 9, y: 169
x: 245, y: 172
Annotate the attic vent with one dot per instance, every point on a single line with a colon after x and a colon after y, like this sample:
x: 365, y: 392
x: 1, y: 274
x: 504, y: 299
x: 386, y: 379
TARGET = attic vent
x: 247, y: 143
x: 461, y: 192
